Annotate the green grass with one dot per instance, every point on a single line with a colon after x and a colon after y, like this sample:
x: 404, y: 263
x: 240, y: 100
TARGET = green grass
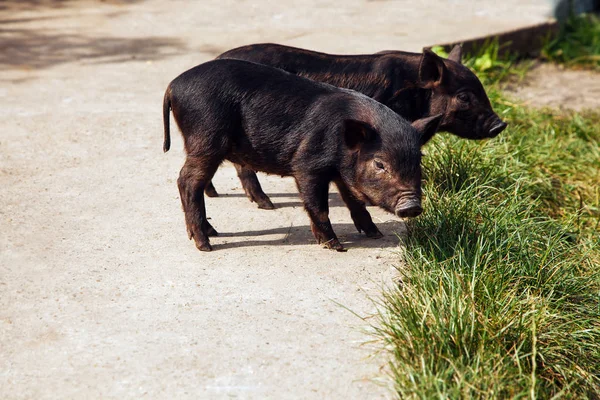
x: 491, y: 68
x: 577, y: 44
x: 500, y: 292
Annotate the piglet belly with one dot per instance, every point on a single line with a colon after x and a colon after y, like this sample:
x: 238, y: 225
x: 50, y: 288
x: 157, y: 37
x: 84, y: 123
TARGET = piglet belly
x: 270, y: 161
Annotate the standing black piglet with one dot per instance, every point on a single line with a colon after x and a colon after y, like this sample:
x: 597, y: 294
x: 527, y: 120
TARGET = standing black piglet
x: 414, y: 85
x: 268, y: 120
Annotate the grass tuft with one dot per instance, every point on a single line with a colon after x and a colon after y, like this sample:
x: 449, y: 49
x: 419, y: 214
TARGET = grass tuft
x: 500, y: 294
x: 577, y: 44
x: 489, y: 66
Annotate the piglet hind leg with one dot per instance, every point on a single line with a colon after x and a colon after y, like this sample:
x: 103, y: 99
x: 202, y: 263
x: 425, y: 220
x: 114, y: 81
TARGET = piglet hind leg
x: 186, y: 198
x: 361, y: 217
x: 193, y: 178
x: 314, y: 193
x: 252, y: 188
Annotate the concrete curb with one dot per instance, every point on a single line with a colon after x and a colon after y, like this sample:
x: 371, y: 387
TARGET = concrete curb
x: 525, y: 41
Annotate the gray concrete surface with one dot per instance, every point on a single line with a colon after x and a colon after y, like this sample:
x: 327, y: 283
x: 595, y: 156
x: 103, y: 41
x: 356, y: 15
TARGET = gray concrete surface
x: 548, y: 85
x: 101, y: 293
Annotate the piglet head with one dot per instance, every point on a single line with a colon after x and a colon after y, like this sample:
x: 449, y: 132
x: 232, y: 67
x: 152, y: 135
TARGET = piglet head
x: 457, y: 93
x: 385, y: 167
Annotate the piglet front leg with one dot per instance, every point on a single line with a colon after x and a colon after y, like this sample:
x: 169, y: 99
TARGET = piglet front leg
x: 361, y: 217
x: 314, y: 192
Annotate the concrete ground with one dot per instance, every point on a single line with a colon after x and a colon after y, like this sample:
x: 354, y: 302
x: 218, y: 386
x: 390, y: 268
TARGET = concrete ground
x: 101, y: 293
x: 549, y: 85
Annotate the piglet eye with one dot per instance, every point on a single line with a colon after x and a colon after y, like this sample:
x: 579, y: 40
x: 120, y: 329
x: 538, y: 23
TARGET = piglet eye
x: 379, y: 164
x: 463, y: 97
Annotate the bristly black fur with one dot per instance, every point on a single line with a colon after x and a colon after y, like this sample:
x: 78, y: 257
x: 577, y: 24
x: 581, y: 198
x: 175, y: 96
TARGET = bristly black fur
x: 415, y: 86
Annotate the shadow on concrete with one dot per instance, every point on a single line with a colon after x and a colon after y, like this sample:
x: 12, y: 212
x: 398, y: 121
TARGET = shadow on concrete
x: 334, y: 199
x: 302, y: 235
x: 35, y: 42
x: 29, y: 5
x: 30, y: 49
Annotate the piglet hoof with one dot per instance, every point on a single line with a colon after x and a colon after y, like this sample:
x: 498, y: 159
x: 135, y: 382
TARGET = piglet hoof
x: 204, y: 246
x: 374, y: 234
x: 265, y: 204
x: 334, y: 244
x: 210, y: 191
x: 210, y: 231
x: 371, y: 231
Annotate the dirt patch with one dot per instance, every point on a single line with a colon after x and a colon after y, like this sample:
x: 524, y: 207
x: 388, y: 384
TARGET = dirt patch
x: 549, y: 85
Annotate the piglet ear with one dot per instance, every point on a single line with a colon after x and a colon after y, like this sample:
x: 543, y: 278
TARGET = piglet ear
x: 456, y: 54
x: 431, y: 70
x: 427, y: 127
x: 357, y: 133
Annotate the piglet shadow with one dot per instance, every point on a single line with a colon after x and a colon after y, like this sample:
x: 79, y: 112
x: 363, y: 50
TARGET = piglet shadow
x: 286, y: 204
x: 302, y: 235
x: 268, y: 194
x: 334, y: 199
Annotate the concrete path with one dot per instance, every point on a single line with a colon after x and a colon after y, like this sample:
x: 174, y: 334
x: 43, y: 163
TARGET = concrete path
x: 548, y: 85
x: 101, y: 293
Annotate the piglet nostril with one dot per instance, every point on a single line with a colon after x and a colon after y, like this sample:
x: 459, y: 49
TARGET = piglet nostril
x: 497, y: 128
